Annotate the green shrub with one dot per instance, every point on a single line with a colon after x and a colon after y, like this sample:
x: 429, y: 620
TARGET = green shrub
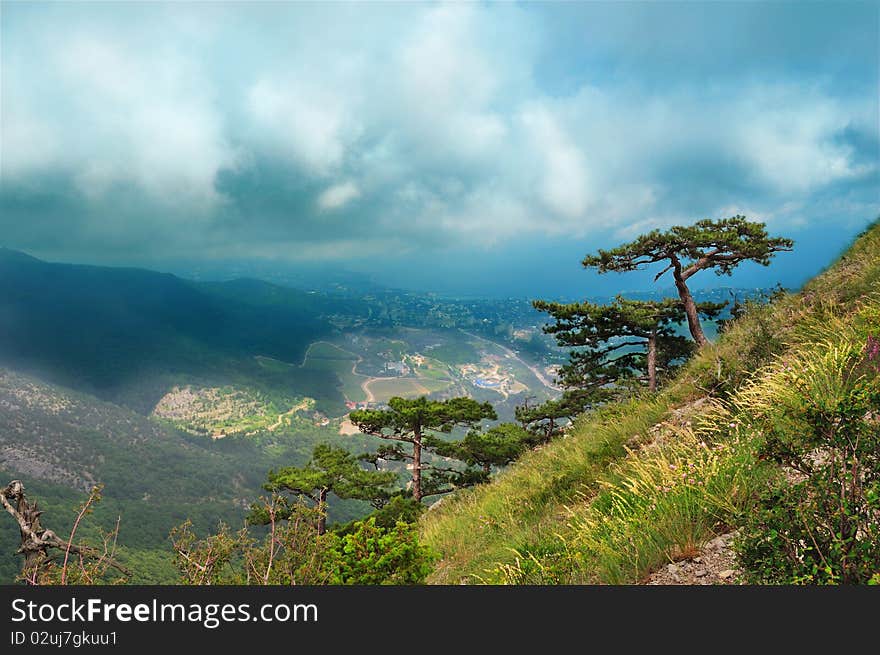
x: 373, y: 555
x: 821, y: 420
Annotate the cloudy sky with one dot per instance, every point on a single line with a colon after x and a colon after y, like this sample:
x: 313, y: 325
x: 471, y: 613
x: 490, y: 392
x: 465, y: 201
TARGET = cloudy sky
x: 451, y: 147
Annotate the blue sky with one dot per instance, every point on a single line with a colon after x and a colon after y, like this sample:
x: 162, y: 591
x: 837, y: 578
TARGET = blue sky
x: 447, y: 147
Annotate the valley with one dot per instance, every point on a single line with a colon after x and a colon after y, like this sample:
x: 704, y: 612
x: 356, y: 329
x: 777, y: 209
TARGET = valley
x: 179, y: 396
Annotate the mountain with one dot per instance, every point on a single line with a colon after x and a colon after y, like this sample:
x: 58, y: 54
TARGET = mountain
x: 87, y: 352
x: 61, y: 442
x: 123, y: 334
x: 656, y: 488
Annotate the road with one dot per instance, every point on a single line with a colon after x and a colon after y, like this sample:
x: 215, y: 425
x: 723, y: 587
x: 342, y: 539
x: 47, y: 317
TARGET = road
x: 277, y: 424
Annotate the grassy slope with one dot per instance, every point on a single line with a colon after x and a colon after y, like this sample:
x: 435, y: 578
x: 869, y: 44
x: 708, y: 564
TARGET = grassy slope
x: 601, y: 504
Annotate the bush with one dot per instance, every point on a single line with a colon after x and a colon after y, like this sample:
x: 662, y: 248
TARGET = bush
x: 374, y: 555
x: 291, y: 553
x: 822, y: 524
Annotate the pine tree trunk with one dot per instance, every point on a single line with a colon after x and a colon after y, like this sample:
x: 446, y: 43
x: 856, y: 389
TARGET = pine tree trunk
x: 690, y: 307
x: 322, y: 509
x: 652, y: 361
x: 417, y: 464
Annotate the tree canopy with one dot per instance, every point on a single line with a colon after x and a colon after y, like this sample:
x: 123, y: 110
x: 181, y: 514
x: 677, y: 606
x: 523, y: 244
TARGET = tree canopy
x: 410, y: 423
x: 497, y: 446
x: 542, y: 422
x: 331, y: 470
x: 717, y: 244
x: 624, y: 339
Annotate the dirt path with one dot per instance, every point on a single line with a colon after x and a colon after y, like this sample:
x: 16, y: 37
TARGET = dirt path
x: 365, y: 385
x: 277, y: 424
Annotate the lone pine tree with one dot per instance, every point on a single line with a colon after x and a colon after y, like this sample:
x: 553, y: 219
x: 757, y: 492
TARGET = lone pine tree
x: 717, y: 244
x: 331, y: 469
x: 411, y: 423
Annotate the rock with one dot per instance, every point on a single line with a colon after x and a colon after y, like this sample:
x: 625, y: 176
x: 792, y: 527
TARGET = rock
x: 672, y: 569
x: 698, y: 560
x: 728, y: 573
x: 716, y: 544
x: 700, y: 573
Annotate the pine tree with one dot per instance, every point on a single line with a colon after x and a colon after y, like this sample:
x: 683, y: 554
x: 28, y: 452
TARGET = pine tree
x: 497, y: 446
x: 720, y: 245
x: 621, y: 340
x: 413, y: 425
x: 542, y: 422
x: 331, y: 470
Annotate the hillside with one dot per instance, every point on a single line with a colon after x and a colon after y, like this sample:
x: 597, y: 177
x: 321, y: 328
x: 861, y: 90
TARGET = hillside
x: 649, y: 481
x: 126, y: 335
x: 60, y: 442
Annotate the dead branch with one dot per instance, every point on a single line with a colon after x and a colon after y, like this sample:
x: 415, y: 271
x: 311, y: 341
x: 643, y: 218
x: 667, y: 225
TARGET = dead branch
x: 36, y: 541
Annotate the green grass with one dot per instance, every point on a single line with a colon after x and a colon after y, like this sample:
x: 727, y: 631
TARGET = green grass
x: 434, y: 385
x: 607, y: 503
x: 455, y: 351
x: 327, y: 350
x: 383, y: 390
x: 524, y: 507
x: 324, y: 356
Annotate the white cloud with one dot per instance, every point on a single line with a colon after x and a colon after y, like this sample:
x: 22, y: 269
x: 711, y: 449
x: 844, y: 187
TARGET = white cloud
x: 120, y: 117
x: 441, y: 114
x: 307, y: 123
x: 565, y: 184
x: 338, y: 195
x: 788, y: 133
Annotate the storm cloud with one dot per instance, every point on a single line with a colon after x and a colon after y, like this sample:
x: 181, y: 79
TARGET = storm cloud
x: 304, y: 131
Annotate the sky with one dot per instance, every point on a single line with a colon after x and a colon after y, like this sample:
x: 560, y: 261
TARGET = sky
x: 460, y: 148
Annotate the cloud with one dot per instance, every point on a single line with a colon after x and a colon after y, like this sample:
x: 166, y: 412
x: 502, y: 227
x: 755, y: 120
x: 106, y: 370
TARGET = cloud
x: 305, y: 123
x: 288, y: 128
x: 338, y: 195
x: 117, y: 117
x: 564, y: 184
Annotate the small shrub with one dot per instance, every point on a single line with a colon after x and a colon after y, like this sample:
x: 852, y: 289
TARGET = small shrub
x: 821, y: 420
x: 373, y: 555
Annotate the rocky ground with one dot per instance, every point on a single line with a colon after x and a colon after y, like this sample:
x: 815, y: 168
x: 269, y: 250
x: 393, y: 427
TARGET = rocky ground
x: 715, y: 565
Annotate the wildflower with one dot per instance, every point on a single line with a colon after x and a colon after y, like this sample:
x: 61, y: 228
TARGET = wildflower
x: 872, y: 351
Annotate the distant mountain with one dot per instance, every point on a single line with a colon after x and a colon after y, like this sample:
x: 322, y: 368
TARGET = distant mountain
x: 124, y: 334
